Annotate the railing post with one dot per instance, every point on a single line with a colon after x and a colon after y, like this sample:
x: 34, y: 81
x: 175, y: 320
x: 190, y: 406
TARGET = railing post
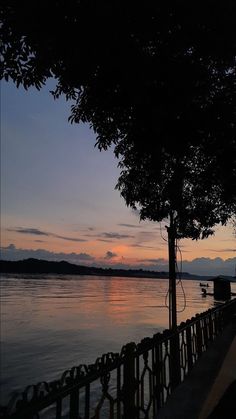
x: 199, y: 336
x: 189, y: 347
x: 74, y: 404
x: 175, y: 373
x: 157, y: 371
x: 226, y: 315
x: 210, y: 327
x: 129, y: 382
x: 58, y: 408
x: 205, y: 333
x: 218, y: 322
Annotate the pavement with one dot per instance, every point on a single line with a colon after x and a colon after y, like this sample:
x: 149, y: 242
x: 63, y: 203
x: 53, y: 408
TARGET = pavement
x: 219, y: 398
x: 209, y: 391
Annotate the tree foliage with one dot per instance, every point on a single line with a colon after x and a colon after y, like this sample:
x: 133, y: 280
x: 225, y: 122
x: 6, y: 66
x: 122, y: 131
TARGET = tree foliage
x: 157, y: 79
x: 193, y: 187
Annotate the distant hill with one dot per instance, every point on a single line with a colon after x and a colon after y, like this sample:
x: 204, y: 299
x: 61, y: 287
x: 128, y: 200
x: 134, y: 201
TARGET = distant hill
x: 39, y: 266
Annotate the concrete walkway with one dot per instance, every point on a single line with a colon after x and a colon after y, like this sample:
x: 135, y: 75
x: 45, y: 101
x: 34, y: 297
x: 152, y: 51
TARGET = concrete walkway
x: 201, y: 391
x: 226, y: 376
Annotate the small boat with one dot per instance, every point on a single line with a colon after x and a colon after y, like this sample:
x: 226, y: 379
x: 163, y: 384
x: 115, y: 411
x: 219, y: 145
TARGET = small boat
x: 205, y: 293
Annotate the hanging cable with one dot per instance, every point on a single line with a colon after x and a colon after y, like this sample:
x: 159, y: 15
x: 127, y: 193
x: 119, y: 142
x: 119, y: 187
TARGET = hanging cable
x: 179, y: 273
x: 167, y: 293
x: 166, y: 297
x: 163, y: 238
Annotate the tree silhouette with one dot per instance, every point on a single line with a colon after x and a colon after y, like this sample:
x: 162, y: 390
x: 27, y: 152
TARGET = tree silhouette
x: 190, y: 190
x: 157, y: 80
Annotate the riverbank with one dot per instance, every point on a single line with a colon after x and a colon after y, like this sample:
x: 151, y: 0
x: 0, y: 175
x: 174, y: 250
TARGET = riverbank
x: 39, y: 266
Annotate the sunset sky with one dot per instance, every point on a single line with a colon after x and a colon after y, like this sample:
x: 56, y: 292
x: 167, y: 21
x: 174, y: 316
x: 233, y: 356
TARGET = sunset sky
x: 58, y: 199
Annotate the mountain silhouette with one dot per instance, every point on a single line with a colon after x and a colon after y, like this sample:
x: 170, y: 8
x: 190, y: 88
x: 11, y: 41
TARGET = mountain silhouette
x: 40, y: 266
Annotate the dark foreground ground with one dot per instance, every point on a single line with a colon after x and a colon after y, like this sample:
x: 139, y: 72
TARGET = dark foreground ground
x: 210, y: 390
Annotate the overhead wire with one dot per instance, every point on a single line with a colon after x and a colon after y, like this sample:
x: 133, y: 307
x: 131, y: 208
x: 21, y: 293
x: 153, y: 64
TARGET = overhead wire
x: 162, y: 234
x: 179, y: 273
x: 166, y: 305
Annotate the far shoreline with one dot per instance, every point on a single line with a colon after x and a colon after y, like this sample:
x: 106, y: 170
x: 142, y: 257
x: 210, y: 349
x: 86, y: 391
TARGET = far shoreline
x: 45, y: 267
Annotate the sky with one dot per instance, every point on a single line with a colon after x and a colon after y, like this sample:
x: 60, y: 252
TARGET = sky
x: 58, y: 197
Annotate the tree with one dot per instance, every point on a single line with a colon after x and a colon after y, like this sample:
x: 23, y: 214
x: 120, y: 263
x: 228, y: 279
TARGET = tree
x: 155, y: 79
x: 190, y: 190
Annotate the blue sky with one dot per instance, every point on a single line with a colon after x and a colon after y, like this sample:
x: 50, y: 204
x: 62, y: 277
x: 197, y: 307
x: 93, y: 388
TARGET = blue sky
x: 58, y: 199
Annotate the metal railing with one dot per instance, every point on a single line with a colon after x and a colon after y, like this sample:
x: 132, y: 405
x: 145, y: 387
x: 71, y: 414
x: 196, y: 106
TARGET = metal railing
x: 132, y: 384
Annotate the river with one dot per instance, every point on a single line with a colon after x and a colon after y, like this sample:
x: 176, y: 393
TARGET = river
x: 51, y: 323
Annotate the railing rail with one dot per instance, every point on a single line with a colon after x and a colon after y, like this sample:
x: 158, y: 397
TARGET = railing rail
x: 132, y: 384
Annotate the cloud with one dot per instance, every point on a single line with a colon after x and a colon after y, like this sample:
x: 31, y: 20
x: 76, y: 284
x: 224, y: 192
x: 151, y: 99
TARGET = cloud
x: 116, y: 236
x: 37, y: 232
x: 185, y: 251
x: 129, y: 225
x: 83, y: 256
x: 34, y: 231
x: 105, y: 240
x: 135, y: 212
x: 208, y: 266
x: 159, y: 261
x: 72, y: 239
x: 10, y: 247
x: 144, y: 246
x: 108, y: 235
x: 12, y: 253
x: 222, y: 250
x: 87, y: 229
x: 110, y: 255
x: 198, y: 266
x: 146, y: 236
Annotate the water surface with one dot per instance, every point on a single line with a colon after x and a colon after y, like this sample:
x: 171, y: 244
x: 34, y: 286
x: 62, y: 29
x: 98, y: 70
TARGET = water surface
x: 51, y: 323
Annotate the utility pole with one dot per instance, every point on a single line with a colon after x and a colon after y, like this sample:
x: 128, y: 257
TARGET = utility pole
x: 172, y: 273
x: 175, y: 374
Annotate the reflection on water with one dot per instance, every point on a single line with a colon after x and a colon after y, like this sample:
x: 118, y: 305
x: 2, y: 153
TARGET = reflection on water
x: 51, y: 323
